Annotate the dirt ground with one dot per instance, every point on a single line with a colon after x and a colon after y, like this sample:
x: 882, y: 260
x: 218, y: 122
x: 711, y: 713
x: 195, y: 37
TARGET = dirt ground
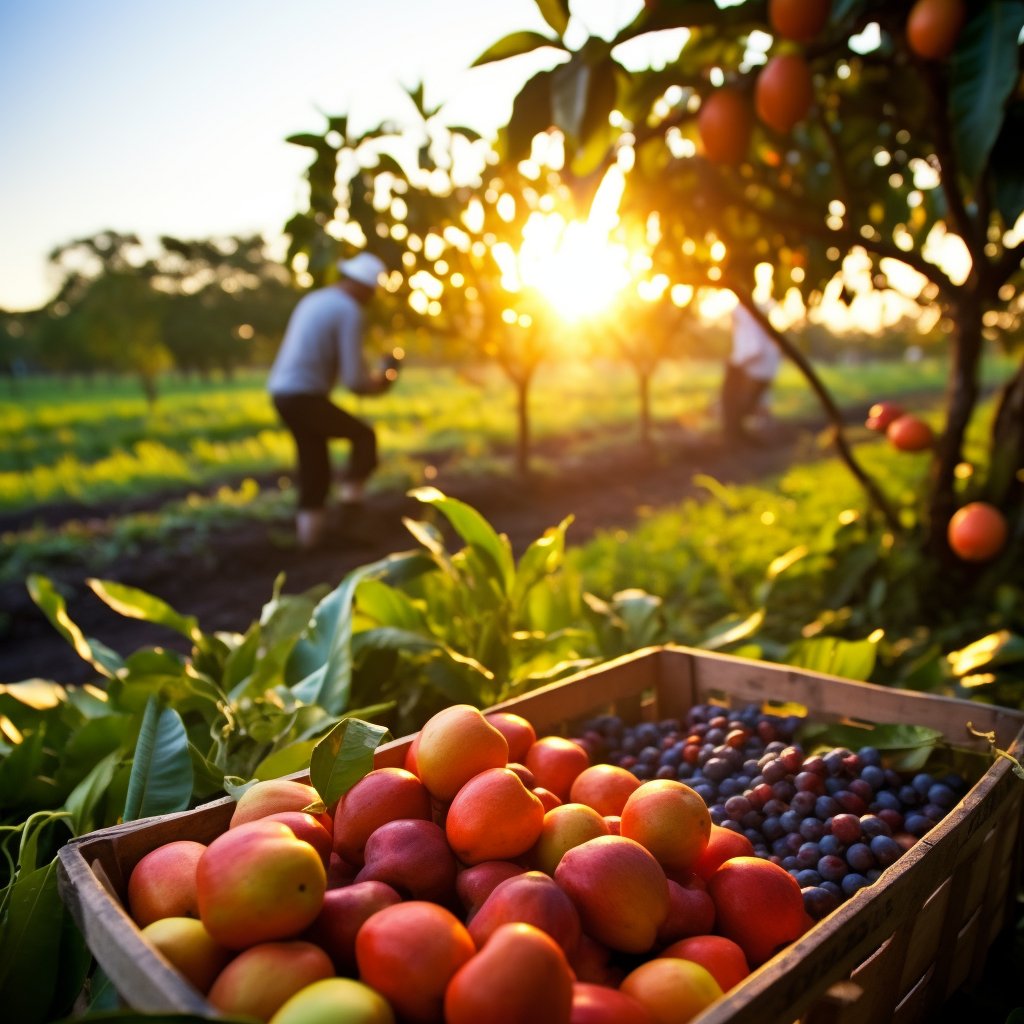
x: 227, y: 583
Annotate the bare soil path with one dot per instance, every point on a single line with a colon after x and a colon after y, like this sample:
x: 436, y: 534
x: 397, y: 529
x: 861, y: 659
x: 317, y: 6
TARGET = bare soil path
x: 227, y: 583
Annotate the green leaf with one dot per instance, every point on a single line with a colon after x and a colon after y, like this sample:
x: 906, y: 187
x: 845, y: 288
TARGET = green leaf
x: 732, y: 631
x: 328, y: 645
x: 999, y: 648
x: 851, y: 659
x: 513, y: 45
x: 133, y: 603
x: 30, y: 945
x: 555, y: 13
x: 85, y: 801
x: 531, y: 115
x: 161, y: 775
x: 984, y: 71
x: 904, y: 747
x: 286, y: 761
x: 43, y: 593
x: 543, y: 557
x: 344, y: 756
x: 474, y: 529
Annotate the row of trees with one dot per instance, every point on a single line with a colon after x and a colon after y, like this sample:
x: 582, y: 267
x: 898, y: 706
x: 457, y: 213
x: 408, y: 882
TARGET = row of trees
x: 799, y: 144
x: 194, y: 306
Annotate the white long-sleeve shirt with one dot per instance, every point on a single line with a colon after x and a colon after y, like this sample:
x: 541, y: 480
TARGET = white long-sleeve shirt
x: 752, y: 347
x: 322, y: 346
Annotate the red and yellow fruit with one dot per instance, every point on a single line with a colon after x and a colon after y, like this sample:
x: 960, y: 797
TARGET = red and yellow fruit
x: 521, y: 974
x: 409, y: 953
x: 933, y: 27
x: 619, y: 889
x: 725, y: 123
x: 908, y: 433
x: 671, y: 820
x: 454, y: 745
x: 261, y: 979
x: 163, y: 883
x: 799, y: 20
x: 493, y: 817
x: 257, y: 882
x: 977, y: 532
x: 784, y: 92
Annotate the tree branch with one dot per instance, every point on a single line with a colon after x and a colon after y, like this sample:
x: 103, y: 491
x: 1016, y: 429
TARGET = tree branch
x: 875, y: 496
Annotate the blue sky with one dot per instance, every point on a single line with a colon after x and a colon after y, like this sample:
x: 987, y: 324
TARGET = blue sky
x: 171, y: 118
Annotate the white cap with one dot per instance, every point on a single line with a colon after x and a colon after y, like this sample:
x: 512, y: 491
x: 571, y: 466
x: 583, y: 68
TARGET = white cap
x: 364, y: 267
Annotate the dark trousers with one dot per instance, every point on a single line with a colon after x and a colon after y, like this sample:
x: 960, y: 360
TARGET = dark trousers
x: 313, y: 421
x: 740, y: 396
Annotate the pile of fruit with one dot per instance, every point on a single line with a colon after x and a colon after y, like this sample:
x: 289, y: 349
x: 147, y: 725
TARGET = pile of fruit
x: 504, y: 877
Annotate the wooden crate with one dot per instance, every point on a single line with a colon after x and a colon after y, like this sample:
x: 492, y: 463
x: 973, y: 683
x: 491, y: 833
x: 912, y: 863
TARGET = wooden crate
x: 894, y: 951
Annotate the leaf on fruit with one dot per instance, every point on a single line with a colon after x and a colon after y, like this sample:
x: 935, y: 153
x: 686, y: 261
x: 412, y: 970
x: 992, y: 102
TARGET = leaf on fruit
x: 903, y: 747
x: 344, y: 756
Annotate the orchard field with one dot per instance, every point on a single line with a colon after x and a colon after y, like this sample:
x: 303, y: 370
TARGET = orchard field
x: 554, y: 491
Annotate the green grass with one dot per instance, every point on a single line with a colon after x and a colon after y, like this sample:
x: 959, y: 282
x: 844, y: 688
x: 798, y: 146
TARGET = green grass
x: 63, y: 441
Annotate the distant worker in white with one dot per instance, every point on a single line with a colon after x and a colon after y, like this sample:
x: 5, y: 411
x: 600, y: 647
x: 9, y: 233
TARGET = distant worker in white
x: 322, y: 347
x: 749, y: 373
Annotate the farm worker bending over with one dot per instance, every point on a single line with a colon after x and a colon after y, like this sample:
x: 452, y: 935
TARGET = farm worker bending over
x: 752, y: 366
x: 323, y: 344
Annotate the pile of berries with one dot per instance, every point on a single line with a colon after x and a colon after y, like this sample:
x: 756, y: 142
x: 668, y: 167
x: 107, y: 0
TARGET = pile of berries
x: 834, y: 820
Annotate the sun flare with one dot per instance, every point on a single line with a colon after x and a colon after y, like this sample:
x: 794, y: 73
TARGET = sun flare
x: 574, y: 265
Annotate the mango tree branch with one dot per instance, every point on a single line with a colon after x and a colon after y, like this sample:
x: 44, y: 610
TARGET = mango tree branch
x: 875, y: 496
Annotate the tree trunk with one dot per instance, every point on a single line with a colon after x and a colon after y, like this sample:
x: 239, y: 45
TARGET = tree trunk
x: 1005, y: 486
x: 644, y: 384
x: 961, y: 399
x: 523, y: 425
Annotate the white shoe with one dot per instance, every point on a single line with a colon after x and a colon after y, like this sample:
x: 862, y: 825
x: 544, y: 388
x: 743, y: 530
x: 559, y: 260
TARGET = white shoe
x: 310, y: 526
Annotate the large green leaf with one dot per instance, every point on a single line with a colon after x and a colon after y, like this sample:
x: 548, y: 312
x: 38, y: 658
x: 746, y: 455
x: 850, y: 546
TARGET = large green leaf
x: 161, y: 776
x: 44, y: 594
x: 325, y: 652
x: 905, y: 747
x: 344, y: 756
x: 555, y: 13
x: 85, y: 802
x: 984, y: 72
x: 133, y: 603
x: 851, y: 659
x: 30, y: 942
x: 512, y: 45
x: 543, y: 557
x: 531, y: 115
x: 474, y: 529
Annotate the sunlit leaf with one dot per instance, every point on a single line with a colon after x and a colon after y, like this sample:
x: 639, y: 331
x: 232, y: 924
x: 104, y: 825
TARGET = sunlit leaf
x: 851, y: 659
x: 137, y: 604
x: 161, y: 774
x: 514, y: 44
x: 39, y: 694
x: 732, y: 632
x: 344, y: 756
x: 999, y: 648
x: 473, y: 528
x: 52, y: 604
x: 325, y: 652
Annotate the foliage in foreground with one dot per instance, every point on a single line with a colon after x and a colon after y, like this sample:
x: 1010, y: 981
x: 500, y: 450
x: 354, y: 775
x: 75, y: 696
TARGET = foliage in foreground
x: 402, y: 637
